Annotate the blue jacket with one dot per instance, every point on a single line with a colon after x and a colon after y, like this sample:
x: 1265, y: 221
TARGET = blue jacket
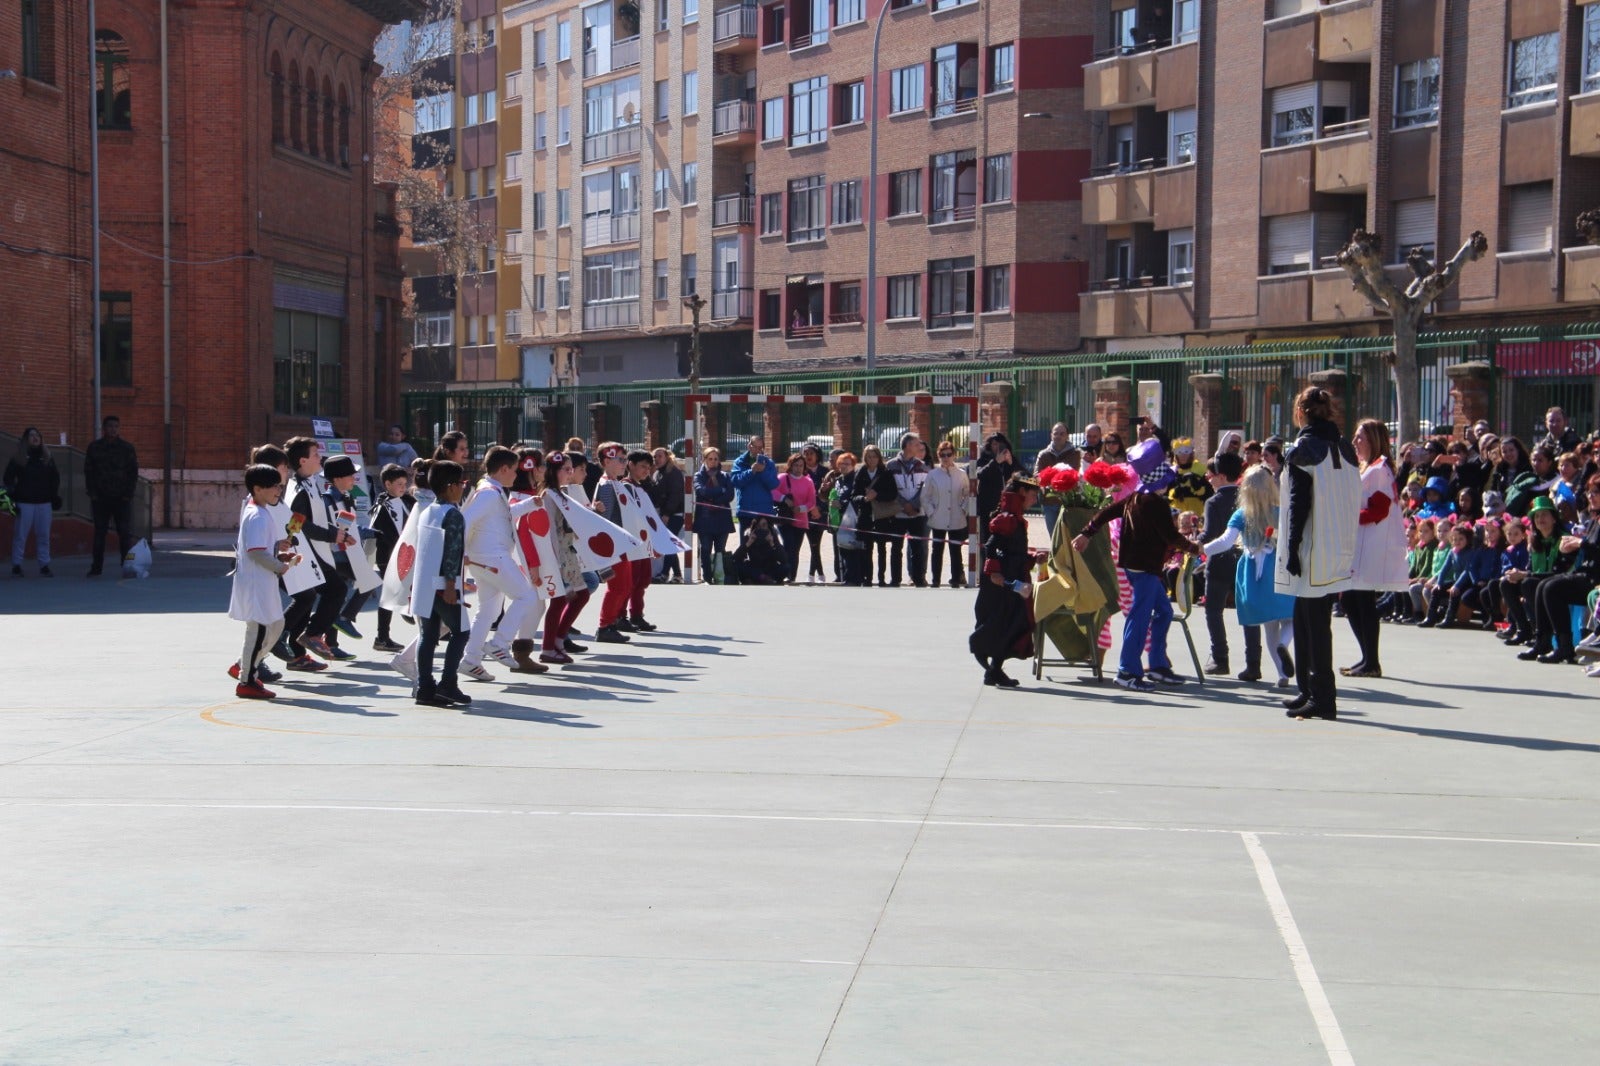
x: 1514, y: 558
x: 1462, y: 570
x: 713, y: 499
x: 755, y: 489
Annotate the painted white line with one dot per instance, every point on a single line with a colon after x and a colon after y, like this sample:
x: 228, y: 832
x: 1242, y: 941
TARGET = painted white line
x: 838, y: 819
x: 1321, y: 1010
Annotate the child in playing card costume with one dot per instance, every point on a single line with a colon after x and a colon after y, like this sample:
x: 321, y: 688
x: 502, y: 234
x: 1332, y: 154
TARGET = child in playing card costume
x: 562, y: 613
x: 496, y: 564
x: 389, y: 514
x: 261, y: 556
x: 437, y: 587
x: 610, y: 496
x: 311, y: 612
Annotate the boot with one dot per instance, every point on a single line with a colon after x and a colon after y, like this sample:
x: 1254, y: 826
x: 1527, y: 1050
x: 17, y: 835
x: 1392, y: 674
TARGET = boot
x: 522, y: 652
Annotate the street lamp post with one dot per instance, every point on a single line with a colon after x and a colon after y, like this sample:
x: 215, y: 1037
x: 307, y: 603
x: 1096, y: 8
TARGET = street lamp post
x: 872, y: 205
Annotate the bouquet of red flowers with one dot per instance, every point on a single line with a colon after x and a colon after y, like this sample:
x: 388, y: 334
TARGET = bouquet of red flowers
x: 1066, y: 487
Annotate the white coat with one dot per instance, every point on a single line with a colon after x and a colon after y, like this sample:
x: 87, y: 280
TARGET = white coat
x: 1381, y: 546
x: 944, y: 498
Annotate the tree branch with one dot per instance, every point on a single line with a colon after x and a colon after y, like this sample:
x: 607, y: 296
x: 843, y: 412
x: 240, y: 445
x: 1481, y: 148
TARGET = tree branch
x: 1362, y: 260
x: 1589, y: 225
x: 1474, y: 249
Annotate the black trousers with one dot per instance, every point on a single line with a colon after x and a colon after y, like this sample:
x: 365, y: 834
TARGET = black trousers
x: 444, y: 616
x: 917, y: 529
x: 108, y: 511
x: 956, y: 541
x: 1558, y: 594
x: 1520, y: 598
x: 792, y: 536
x: 1313, y: 650
x: 1361, y: 611
x: 1220, y: 573
x: 673, y: 563
x: 814, y: 538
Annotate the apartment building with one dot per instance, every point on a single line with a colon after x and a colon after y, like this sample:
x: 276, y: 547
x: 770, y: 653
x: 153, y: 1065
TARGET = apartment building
x: 982, y: 143
x: 1243, y: 142
x: 610, y: 96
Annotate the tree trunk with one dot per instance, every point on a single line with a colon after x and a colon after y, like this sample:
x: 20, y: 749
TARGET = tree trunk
x: 1407, y: 379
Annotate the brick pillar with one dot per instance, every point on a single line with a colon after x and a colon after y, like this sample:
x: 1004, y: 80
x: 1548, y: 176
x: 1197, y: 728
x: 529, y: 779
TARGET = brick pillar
x: 1113, y: 404
x: 711, y: 427
x: 557, y: 419
x: 654, y: 414
x: 919, y: 420
x: 604, y: 421
x: 1208, y: 395
x: 1336, y: 382
x: 1470, y: 385
x: 844, y: 420
x: 994, y: 409
x: 772, y: 427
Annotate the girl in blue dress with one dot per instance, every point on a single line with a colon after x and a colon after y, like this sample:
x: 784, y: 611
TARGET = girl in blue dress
x: 1255, y: 596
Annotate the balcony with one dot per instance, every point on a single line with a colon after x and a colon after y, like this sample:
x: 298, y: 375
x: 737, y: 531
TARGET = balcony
x: 947, y: 108
x: 733, y: 304
x: 1334, y: 299
x: 844, y: 318
x: 624, y: 54
x: 624, y: 140
x: 1121, y: 197
x: 804, y: 331
x: 942, y: 214
x: 1585, y: 136
x: 1120, y: 81
x: 1582, y: 274
x: 1138, y: 311
x: 1525, y: 279
x: 733, y: 29
x: 1343, y: 157
x: 1174, y: 196
x: 1283, y: 299
x: 734, y: 118
x: 614, y: 314
x: 1286, y: 179
x: 610, y: 229
x: 1345, y: 32
x: 733, y: 211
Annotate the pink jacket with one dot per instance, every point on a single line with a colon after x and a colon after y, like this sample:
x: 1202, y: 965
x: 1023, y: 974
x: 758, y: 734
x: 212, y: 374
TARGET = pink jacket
x: 804, y: 494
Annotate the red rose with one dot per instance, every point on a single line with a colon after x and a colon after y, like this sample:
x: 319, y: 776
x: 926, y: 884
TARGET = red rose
x: 1101, y: 474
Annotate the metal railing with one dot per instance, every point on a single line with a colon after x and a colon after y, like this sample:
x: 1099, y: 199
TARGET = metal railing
x: 958, y: 213
x: 733, y: 116
x: 962, y: 106
x: 733, y: 304
x: 612, y: 314
x: 625, y: 53
x: 737, y: 210
x: 624, y: 140
x: 731, y: 23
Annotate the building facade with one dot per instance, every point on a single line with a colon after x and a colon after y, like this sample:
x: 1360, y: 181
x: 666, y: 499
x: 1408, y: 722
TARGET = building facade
x: 1244, y: 143
x: 272, y: 295
x: 982, y: 143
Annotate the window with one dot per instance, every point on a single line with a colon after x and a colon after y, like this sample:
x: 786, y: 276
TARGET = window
x: 1302, y: 242
x: 945, y: 5
x: 691, y: 177
x: 772, y: 25
x: 513, y: 167
x: 1416, y: 93
x: 905, y: 193
x: 435, y: 113
x: 563, y: 289
x: 846, y: 303
x: 950, y: 293
x: 1415, y: 225
x: 903, y: 292
x: 808, y: 111
x: 538, y: 48
x: 663, y: 19
x: 901, y: 5
x: 997, y: 179
x: 691, y: 92
x: 849, y: 103
x: 538, y: 132
x: 954, y: 187
x: 1180, y: 136
x: 848, y: 11
x: 307, y: 363
x: 772, y: 119
x: 563, y: 40
x: 513, y: 245
x: 1528, y: 212
x: 663, y: 104
x: 663, y: 190
x: 470, y: 116
x: 807, y: 212
x: 563, y: 208
x: 691, y: 275
x: 433, y: 329
x: 1294, y: 111
x: 1180, y: 256
x: 113, y: 83
x: 38, y: 40
x: 1002, y: 67
x: 771, y: 309
x: 1591, y: 48
x: 563, y: 124
x: 488, y: 180
x: 513, y: 323
x: 771, y: 213
x: 538, y: 292
x: 997, y: 288
x: 691, y: 11
x: 847, y: 202
x: 116, y: 340
x: 610, y: 277
x: 1185, y: 21
x: 661, y: 279
x: 538, y: 210
x: 905, y: 90
x: 955, y: 78
x: 474, y: 185
x: 1532, y: 70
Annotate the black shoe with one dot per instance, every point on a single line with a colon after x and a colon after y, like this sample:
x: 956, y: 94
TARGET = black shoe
x: 431, y: 699
x: 1298, y: 702
x: 1448, y: 622
x: 94, y: 571
x: 1311, y: 710
x: 1004, y: 680
x: 1252, y: 674
x: 622, y: 625
x: 385, y: 644
x: 1530, y: 654
x: 266, y: 675
x: 641, y: 626
x: 1550, y: 658
x: 16, y: 571
x: 1288, y: 663
x: 573, y: 646
x: 611, y: 635
x: 958, y: 582
x: 453, y: 694
x: 1215, y: 667
x: 1428, y: 622
x: 284, y: 652
x: 44, y: 571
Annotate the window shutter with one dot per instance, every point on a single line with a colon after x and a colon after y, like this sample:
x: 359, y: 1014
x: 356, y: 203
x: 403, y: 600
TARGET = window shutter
x: 1291, y: 97
x: 1528, y: 218
x: 1333, y: 229
x: 1415, y: 223
x: 1289, y: 240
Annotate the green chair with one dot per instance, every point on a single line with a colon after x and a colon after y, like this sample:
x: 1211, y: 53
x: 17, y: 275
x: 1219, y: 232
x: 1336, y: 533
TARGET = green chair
x: 1183, y: 608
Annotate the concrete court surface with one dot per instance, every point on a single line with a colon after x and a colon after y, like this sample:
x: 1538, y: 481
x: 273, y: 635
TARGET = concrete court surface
x: 792, y: 827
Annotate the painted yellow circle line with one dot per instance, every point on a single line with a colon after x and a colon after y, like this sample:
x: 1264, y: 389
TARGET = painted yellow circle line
x: 883, y: 718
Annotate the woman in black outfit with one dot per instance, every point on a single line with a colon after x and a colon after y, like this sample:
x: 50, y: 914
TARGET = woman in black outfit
x: 1559, y: 593
x: 996, y: 464
x: 873, y: 495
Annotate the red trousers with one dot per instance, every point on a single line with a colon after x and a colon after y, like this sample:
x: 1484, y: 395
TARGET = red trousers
x: 560, y: 617
x: 618, y: 591
x: 641, y: 581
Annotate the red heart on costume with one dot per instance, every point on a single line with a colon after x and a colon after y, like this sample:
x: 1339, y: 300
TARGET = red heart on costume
x: 622, y: 498
x: 602, y: 545
x: 408, y: 559
x: 652, y: 521
x: 538, y: 523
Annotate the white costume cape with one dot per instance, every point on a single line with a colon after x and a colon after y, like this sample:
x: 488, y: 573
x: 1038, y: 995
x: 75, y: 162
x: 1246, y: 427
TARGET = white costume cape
x: 600, y: 542
x: 533, y: 530
x: 644, y: 522
x: 429, y: 553
x: 397, y: 578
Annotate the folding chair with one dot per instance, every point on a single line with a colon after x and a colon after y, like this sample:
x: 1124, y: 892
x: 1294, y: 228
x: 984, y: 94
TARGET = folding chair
x: 1183, y: 607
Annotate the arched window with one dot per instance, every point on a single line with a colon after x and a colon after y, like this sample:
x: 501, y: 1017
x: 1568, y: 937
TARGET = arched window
x: 344, y: 127
x: 313, y: 110
x: 295, y: 140
x: 113, y: 96
x: 327, y: 122
x: 276, y: 74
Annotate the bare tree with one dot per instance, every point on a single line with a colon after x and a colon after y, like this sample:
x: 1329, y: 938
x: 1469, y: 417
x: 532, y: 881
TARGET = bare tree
x: 1362, y: 259
x: 1589, y: 225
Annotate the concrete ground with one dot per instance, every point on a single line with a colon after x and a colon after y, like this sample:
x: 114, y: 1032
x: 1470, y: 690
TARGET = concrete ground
x: 791, y: 827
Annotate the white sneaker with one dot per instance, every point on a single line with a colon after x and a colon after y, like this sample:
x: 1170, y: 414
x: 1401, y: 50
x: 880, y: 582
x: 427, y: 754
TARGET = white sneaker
x: 1283, y: 682
x: 476, y: 672
x: 499, y: 655
x: 407, y: 668
x: 1593, y: 671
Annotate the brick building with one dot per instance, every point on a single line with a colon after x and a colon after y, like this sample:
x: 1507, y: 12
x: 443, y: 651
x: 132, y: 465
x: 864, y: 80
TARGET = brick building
x: 982, y: 145
x: 284, y: 278
x: 1244, y: 142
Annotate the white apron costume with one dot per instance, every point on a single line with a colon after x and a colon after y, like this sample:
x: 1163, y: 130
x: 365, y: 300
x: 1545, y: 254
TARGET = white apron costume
x: 362, y: 568
x: 307, y: 573
x: 1381, y: 546
x: 397, y: 577
x: 255, y: 595
x: 645, y: 522
x: 631, y: 514
x: 538, y: 547
x: 498, y: 568
x: 600, y: 543
x: 426, y: 581
x: 1328, y: 544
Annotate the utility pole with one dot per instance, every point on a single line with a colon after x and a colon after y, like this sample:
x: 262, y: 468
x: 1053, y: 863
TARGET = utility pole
x: 696, y: 304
